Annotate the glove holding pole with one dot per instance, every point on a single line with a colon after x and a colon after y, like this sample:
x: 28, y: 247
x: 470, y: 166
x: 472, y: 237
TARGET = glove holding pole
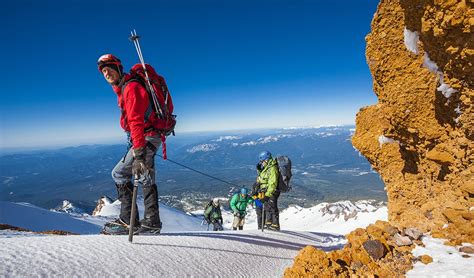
x: 139, y: 167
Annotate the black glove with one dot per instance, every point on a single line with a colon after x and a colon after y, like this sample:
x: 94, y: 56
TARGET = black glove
x: 139, y: 166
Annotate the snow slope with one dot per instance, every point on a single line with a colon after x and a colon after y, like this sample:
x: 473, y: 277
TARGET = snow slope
x: 337, y: 218
x: 447, y: 260
x: 197, y: 254
x: 173, y: 220
x: 36, y: 219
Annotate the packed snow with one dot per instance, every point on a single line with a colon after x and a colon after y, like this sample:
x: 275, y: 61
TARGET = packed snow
x: 444, y: 88
x: 184, y: 249
x: 447, y: 260
x: 385, y: 140
x: 430, y: 65
x: 411, y: 40
x: 184, y: 254
x: 248, y: 253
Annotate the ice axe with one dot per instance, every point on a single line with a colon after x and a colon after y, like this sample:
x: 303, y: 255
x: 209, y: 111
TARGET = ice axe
x: 134, y: 208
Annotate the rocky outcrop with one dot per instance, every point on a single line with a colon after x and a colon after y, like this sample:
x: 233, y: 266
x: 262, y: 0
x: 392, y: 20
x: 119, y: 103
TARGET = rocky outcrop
x: 371, y: 252
x: 419, y: 136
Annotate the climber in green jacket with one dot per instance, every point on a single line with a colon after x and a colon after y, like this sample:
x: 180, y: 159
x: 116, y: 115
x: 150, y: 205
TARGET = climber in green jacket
x: 268, y: 174
x: 213, y: 214
x: 238, y: 204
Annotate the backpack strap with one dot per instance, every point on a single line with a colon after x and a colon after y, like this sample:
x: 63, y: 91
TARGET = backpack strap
x: 149, y: 109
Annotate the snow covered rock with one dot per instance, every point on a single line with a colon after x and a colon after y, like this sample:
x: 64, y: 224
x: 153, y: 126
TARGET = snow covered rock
x: 101, y: 203
x: 68, y: 207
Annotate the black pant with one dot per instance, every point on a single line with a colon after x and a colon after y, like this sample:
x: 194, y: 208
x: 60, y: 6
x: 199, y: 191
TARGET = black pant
x: 259, y: 217
x: 217, y: 226
x: 271, y: 210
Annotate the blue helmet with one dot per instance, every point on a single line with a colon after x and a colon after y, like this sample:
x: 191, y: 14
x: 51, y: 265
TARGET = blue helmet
x: 244, y: 191
x: 265, y: 155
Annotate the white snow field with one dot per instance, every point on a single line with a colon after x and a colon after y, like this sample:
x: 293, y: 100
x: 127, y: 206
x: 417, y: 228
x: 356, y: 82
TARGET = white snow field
x: 447, y: 260
x: 183, y: 254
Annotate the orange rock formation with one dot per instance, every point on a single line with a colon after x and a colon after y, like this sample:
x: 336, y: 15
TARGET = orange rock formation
x: 419, y: 136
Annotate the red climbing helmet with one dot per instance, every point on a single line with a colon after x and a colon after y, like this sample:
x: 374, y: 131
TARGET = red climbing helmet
x: 109, y: 60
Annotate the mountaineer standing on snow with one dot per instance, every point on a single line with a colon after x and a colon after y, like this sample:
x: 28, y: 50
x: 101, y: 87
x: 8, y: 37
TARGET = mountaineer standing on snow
x: 268, y: 179
x: 213, y: 214
x: 133, y: 100
x: 238, y: 205
x: 258, y: 196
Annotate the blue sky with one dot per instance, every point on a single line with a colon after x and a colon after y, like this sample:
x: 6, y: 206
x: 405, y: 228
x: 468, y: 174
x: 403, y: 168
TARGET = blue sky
x: 229, y: 64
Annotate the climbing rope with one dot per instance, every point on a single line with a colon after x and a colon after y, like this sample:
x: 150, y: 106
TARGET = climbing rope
x: 199, y: 172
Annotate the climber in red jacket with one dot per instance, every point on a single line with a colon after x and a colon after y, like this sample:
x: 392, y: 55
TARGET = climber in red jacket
x: 144, y: 141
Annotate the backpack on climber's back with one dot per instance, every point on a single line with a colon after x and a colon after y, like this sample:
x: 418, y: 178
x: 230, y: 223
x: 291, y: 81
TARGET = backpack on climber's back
x: 208, y: 205
x: 163, y: 119
x: 284, y: 170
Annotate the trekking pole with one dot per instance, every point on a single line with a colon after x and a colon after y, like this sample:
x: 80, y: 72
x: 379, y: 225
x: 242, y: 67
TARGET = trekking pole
x: 263, y: 215
x: 134, y: 210
x: 135, y: 39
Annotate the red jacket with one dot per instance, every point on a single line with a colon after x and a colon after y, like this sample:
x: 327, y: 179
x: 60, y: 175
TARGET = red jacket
x: 133, y: 103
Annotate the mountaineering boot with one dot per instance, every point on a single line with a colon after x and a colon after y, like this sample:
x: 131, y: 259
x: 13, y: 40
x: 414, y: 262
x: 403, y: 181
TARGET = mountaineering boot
x: 151, y: 222
x: 117, y: 227
x: 274, y: 227
x: 241, y: 227
x: 125, y: 192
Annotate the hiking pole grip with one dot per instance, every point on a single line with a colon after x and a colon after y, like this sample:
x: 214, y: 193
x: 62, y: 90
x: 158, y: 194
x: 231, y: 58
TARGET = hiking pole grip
x: 134, y: 209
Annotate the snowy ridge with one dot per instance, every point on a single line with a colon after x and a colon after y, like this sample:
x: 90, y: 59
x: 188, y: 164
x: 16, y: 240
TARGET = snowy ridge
x: 68, y: 207
x: 203, y: 148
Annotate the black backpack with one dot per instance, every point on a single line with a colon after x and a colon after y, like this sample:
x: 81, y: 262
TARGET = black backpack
x: 284, y: 170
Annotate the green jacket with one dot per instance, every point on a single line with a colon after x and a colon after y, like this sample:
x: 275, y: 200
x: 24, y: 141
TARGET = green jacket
x: 239, y: 204
x: 213, y: 213
x: 268, y: 177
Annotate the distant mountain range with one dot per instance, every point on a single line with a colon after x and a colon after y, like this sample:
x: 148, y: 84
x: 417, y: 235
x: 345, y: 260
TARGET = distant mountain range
x: 325, y: 168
